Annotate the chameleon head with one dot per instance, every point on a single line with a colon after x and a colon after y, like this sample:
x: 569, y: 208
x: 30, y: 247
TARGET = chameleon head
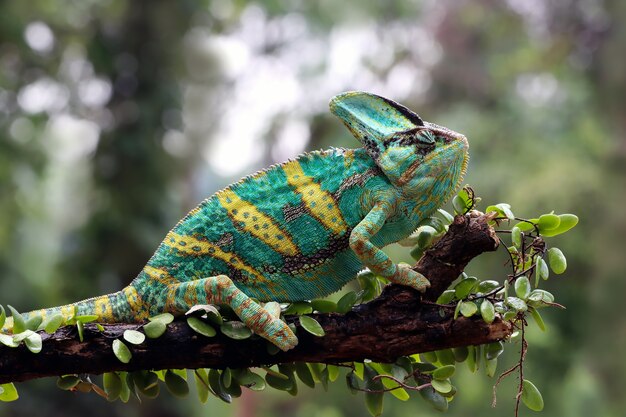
x: 417, y: 156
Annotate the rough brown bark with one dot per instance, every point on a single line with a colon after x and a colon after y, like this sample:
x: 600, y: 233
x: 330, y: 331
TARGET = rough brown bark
x: 395, y: 324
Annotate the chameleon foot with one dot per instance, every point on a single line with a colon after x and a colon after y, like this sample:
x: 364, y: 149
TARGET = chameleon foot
x: 279, y: 333
x: 407, y: 276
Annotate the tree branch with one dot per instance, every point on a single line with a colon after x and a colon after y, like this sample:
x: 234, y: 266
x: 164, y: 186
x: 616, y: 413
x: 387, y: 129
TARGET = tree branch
x: 396, y: 323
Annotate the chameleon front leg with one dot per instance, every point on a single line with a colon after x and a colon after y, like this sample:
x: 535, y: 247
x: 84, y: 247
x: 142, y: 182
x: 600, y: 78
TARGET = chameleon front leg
x: 374, y: 258
x: 221, y: 290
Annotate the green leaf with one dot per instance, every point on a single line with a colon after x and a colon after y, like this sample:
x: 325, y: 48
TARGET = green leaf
x: 134, y: 337
x: 353, y: 383
x: 449, y: 218
x: 19, y: 325
x: 567, y: 221
x: 304, y: 374
x: 346, y: 302
x: 33, y: 342
x: 446, y: 356
x: 217, y: 388
x: 3, y: 316
x: 373, y: 400
x: 460, y: 353
x: 425, y: 236
x: 528, y: 225
x: 442, y: 386
x: 235, y: 330
x: 416, y: 253
x: 52, y: 324
x: 522, y: 287
x: 516, y: 304
x: 33, y: 322
x: 541, y: 270
x: 200, y: 326
x: 516, y: 237
x: 472, y: 365
x: 435, y: 399
x: 86, y: 318
x: 463, y: 288
x: 487, y: 286
x: 493, y: 350
x: 324, y: 306
x: 80, y: 327
x: 112, y: 385
x: 201, y: 378
x: 299, y: 307
x: 468, y: 308
x: 458, y: 204
x: 531, y: 397
x: 9, y: 393
x: 280, y: 384
x: 444, y: 372
x: 67, y: 382
x: 491, y: 366
x: 503, y: 210
x: 446, y: 297
x: 176, y: 384
x: 557, y: 260
x: 548, y: 222
x: 165, y: 318
x: 538, y: 319
x: 250, y: 380
x: 540, y: 298
x: 487, y: 311
x: 226, y: 378
x: 312, y: 326
x: 154, y: 329
x: 121, y: 351
x: 333, y: 372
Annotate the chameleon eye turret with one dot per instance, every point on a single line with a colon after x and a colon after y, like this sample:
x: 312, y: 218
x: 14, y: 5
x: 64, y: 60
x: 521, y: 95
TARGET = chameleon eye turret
x: 301, y: 229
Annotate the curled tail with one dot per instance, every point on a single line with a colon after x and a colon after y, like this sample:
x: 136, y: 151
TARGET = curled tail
x: 124, y: 306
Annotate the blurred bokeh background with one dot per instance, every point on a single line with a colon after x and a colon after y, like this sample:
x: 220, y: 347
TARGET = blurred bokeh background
x: 117, y: 117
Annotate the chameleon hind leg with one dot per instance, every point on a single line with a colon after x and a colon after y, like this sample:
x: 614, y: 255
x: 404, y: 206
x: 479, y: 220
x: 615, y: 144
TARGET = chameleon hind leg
x: 377, y: 260
x: 221, y: 290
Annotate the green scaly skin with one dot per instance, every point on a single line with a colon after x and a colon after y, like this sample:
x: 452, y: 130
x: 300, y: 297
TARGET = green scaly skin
x: 302, y: 229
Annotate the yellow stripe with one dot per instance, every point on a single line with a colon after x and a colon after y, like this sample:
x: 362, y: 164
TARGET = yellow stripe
x: 248, y: 218
x: 193, y: 246
x: 135, y: 302
x: 320, y: 203
x: 160, y: 275
x: 68, y: 310
x: 103, y: 307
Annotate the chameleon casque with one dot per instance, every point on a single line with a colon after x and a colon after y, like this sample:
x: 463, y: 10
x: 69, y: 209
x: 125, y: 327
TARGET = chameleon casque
x: 301, y: 229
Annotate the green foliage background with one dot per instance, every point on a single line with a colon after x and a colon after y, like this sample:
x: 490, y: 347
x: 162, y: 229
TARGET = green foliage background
x: 117, y: 117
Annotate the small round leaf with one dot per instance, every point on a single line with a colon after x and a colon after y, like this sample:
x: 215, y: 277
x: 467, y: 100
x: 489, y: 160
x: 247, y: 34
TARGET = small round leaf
x: 176, y: 384
x: 134, y: 337
x: 201, y: 326
x: 154, y: 329
x: 557, y: 260
x: 121, y: 351
x: 531, y: 397
x: 487, y: 311
x: 312, y: 326
x: 235, y: 330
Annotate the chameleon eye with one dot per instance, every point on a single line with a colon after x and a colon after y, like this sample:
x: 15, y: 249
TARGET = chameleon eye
x: 424, y: 138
